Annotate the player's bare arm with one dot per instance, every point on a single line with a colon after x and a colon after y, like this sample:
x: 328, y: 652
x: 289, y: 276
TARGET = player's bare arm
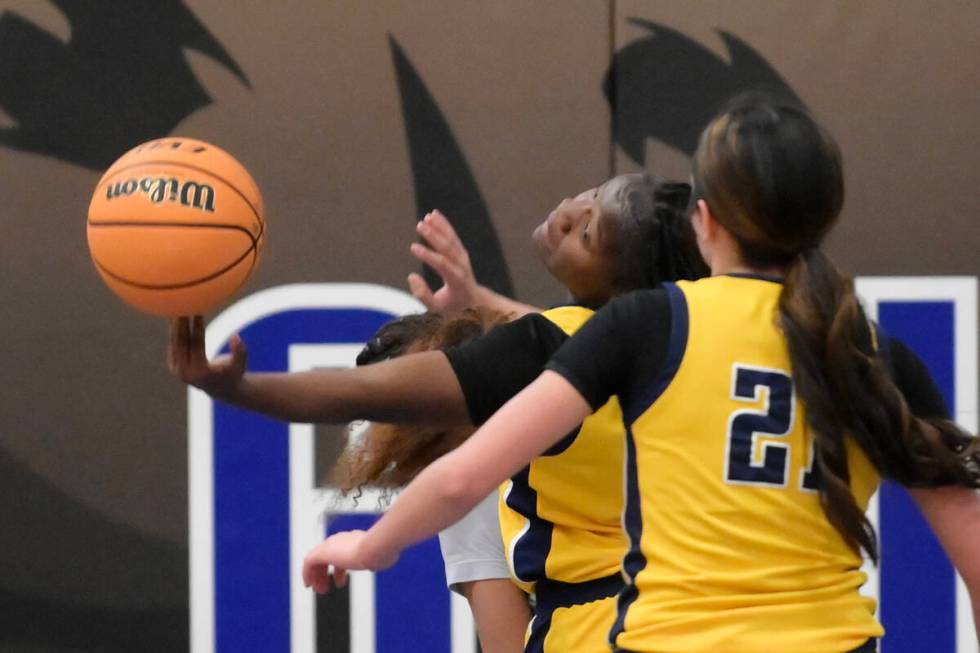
x: 413, y: 388
x: 447, y: 255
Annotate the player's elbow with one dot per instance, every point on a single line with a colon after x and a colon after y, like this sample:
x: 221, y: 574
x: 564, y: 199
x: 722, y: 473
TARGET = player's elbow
x: 458, y: 485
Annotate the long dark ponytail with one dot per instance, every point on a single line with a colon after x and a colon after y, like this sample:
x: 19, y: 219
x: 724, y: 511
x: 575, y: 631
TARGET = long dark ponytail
x: 773, y: 177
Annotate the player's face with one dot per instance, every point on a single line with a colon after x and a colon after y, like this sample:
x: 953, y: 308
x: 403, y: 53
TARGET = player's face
x: 577, y: 240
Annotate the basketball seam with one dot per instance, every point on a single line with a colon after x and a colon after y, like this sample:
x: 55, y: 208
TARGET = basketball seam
x: 178, y: 286
x: 207, y: 172
x: 180, y: 225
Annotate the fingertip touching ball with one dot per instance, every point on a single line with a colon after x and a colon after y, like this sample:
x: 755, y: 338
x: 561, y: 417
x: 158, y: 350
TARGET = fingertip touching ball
x: 176, y: 226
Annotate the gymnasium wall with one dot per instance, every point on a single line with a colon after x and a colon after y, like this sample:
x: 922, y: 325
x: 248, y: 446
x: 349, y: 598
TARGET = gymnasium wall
x: 355, y: 119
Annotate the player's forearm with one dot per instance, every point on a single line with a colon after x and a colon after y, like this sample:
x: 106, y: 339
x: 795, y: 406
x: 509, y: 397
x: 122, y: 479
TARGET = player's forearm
x: 954, y: 515
x: 417, y: 388
x: 437, y: 498
x: 494, y: 300
x: 322, y: 396
x: 447, y: 489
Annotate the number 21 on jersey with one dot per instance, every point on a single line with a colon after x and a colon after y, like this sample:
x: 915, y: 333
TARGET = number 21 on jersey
x: 744, y: 464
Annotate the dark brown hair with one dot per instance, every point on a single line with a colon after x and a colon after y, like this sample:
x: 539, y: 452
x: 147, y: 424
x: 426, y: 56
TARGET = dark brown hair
x: 774, y: 178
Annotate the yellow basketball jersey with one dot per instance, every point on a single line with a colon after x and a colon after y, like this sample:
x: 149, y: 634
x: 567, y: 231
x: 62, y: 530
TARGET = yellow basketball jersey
x: 730, y: 549
x: 560, y: 517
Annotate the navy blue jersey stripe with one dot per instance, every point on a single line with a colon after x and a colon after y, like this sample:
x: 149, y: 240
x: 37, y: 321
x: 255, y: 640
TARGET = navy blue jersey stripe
x: 530, y: 551
x: 540, y: 627
x: 634, y: 562
x: 552, y: 595
x: 672, y: 361
x: 532, y: 548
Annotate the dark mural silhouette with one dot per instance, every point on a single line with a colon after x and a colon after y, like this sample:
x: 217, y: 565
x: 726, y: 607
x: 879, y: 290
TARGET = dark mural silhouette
x: 121, y: 79
x: 664, y: 87
x: 667, y: 87
x: 443, y: 179
x: 52, y: 541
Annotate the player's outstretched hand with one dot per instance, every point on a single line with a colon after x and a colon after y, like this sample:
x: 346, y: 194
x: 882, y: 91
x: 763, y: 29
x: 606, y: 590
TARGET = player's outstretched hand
x: 449, y: 258
x: 332, y: 558
x: 188, y: 361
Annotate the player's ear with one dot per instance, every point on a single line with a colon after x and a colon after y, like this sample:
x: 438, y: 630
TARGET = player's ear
x: 705, y: 229
x: 704, y: 221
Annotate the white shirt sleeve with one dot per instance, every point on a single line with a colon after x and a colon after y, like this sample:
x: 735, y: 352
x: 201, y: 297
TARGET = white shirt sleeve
x: 473, y: 548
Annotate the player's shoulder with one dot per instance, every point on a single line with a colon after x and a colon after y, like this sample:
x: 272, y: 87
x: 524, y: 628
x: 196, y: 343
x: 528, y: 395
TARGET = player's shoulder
x: 568, y: 318
x: 648, y: 303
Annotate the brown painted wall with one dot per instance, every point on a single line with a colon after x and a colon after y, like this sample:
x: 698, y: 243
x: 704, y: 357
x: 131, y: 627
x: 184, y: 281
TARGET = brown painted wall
x: 895, y: 84
x: 93, y: 447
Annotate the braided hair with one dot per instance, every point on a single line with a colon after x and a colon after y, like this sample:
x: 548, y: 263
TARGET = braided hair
x: 656, y: 242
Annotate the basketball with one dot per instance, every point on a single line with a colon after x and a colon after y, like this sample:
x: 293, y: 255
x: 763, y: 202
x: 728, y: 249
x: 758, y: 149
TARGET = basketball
x: 176, y: 226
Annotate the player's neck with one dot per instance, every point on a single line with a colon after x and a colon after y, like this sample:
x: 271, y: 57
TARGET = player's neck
x: 729, y: 262
x: 721, y: 251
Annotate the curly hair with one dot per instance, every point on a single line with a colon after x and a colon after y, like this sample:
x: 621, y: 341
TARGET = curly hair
x: 389, y: 456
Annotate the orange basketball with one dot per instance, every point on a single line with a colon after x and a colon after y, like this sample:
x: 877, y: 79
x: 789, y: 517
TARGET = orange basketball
x: 176, y: 226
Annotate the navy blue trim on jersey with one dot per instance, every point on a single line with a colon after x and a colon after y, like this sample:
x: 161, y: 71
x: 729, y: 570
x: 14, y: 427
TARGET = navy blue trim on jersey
x: 532, y: 547
x: 676, y: 346
x: 552, y: 594
x: 530, y: 551
x: 634, y: 562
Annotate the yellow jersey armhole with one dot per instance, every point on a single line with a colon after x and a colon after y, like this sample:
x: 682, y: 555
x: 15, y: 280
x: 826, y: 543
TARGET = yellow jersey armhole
x: 569, y: 318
